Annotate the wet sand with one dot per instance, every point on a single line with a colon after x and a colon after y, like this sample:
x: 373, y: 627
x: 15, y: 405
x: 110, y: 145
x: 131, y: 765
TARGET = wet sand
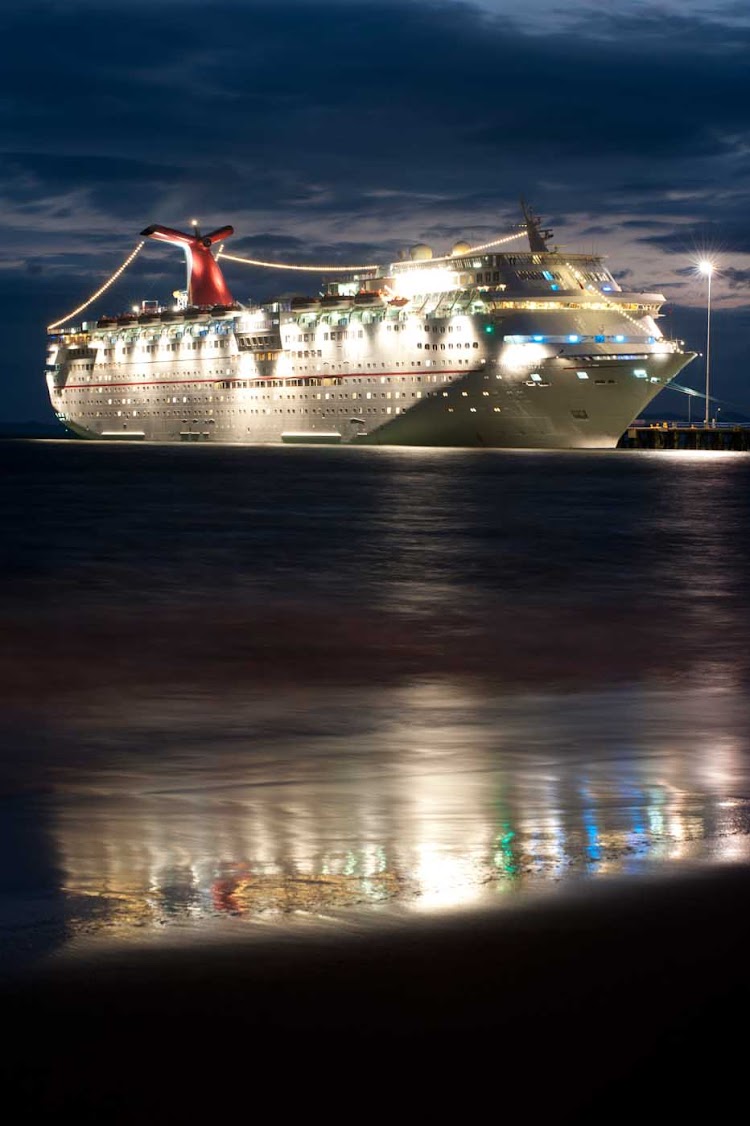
x: 626, y: 1000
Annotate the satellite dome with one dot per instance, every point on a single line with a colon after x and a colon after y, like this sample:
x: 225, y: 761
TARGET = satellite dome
x: 460, y: 247
x: 421, y: 252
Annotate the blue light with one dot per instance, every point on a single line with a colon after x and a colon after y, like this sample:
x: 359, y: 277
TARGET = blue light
x: 573, y: 339
x: 554, y: 286
x: 593, y: 847
x: 548, y: 275
x: 537, y: 339
x: 619, y: 339
x: 606, y: 288
x: 600, y: 339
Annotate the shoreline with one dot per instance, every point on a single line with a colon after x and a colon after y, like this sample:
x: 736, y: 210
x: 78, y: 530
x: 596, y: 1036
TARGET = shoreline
x: 627, y: 985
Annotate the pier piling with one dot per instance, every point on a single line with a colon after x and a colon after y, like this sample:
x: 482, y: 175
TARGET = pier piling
x: 678, y: 436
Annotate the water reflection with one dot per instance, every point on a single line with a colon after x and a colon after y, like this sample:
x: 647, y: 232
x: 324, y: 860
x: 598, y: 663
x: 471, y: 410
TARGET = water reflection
x: 433, y: 800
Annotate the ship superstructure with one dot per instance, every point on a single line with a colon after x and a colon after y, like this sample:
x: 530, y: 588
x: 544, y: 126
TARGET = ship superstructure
x: 473, y: 348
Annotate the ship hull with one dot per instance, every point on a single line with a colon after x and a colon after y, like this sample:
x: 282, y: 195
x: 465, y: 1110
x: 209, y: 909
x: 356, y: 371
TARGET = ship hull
x: 389, y: 387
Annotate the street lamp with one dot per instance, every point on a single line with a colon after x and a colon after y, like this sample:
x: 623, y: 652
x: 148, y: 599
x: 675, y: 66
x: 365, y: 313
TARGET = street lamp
x: 707, y: 269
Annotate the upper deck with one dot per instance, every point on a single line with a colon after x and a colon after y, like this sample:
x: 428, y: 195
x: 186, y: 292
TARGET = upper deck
x: 468, y: 280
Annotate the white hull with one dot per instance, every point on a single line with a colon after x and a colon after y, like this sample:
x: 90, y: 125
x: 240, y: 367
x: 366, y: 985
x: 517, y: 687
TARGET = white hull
x: 492, y: 401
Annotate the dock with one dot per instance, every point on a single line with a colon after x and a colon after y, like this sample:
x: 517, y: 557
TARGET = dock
x: 680, y: 436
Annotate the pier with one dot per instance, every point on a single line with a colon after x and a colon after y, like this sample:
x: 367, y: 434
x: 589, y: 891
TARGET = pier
x: 680, y: 436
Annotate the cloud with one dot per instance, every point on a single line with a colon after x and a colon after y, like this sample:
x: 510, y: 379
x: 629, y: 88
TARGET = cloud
x: 729, y: 235
x: 736, y: 279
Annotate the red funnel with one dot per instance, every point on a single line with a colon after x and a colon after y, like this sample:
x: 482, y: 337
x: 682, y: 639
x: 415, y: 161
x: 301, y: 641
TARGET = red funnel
x: 206, y: 285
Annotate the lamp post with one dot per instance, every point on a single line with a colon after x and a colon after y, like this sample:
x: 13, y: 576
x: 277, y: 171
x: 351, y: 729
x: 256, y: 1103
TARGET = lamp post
x: 707, y: 268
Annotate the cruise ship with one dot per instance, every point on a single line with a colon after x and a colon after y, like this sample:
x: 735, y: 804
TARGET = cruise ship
x: 537, y: 348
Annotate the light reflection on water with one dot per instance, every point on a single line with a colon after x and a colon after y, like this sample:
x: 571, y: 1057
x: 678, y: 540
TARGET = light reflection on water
x: 244, y: 684
x: 434, y: 799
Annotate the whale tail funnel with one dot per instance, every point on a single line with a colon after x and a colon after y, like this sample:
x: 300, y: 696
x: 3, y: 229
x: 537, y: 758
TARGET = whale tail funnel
x: 205, y: 281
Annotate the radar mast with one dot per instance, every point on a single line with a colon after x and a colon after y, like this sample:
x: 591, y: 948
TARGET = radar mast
x: 538, y: 236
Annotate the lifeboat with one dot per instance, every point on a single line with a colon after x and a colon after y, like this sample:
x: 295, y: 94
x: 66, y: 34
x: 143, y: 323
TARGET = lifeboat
x: 104, y: 321
x: 368, y: 297
x: 304, y: 304
x: 399, y: 301
x: 334, y: 301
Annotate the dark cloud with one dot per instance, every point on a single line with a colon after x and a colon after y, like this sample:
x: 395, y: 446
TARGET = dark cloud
x: 354, y: 94
x: 736, y: 279
x: 730, y: 235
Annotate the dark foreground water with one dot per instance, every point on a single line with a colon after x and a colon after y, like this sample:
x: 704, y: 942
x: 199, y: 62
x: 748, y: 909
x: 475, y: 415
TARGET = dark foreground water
x: 244, y: 687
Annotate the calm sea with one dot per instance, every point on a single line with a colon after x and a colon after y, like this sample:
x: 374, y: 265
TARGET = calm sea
x: 251, y: 687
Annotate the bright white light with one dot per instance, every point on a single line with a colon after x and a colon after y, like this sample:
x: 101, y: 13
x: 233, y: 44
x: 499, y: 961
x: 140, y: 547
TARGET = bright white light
x: 424, y: 281
x: 706, y: 267
x: 582, y: 374
x: 516, y: 357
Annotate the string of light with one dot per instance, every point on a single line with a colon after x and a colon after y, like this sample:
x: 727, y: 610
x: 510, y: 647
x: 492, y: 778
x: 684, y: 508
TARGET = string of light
x: 483, y: 246
x: 102, y: 289
x: 259, y: 262
x: 353, y: 269
x: 607, y: 300
x: 290, y: 266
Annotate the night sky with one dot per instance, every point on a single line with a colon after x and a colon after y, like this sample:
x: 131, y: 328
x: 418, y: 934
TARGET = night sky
x: 346, y: 131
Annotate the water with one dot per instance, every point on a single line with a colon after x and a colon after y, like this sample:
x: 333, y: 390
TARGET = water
x: 246, y: 688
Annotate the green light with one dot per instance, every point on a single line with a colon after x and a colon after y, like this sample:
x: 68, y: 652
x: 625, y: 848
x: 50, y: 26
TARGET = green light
x: 489, y: 328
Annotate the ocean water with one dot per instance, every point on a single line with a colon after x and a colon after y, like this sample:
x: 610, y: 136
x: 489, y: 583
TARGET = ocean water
x: 248, y: 688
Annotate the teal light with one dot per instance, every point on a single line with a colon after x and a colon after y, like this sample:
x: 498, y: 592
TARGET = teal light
x: 489, y: 328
